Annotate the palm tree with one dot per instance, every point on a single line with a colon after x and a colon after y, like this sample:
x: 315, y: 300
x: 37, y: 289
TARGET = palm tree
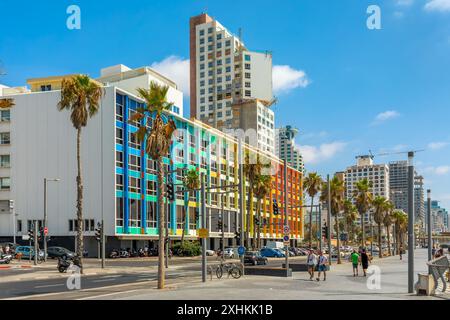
x: 191, y: 181
x: 6, y: 103
x: 350, y: 216
x: 380, y: 206
x: 337, y: 190
x: 363, y: 198
x: 157, y: 137
x: 263, y: 188
x: 81, y: 96
x: 387, y: 221
x: 252, y: 169
x: 400, y: 219
x: 312, y: 184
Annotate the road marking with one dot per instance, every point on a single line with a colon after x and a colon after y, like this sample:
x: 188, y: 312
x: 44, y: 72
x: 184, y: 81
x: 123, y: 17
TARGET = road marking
x: 115, y: 276
x: 108, y: 294
x: 50, y: 285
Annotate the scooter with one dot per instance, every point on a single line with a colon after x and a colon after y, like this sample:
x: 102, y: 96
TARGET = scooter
x: 114, y: 254
x: 6, y: 258
x: 65, y: 264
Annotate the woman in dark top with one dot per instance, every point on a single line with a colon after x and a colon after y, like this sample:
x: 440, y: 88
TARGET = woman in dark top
x: 364, y: 261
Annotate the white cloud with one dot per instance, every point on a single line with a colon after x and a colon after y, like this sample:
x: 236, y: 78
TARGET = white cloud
x: 176, y: 69
x: 326, y: 151
x: 286, y: 79
x: 438, y: 5
x: 437, y: 145
x: 439, y: 171
x: 385, y: 116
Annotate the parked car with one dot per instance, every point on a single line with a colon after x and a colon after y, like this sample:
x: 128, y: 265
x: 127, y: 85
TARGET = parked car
x: 27, y: 251
x: 254, y: 258
x: 59, y: 252
x: 271, y: 253
x: 229, y: 253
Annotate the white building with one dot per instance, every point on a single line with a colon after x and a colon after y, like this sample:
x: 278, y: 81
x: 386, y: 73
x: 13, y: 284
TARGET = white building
x: 377, y: 174
x: 225, y: 73
x: 285, y: 147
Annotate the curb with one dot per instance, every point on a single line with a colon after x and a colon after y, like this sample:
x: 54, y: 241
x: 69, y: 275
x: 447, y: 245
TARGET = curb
x: 16, y: 267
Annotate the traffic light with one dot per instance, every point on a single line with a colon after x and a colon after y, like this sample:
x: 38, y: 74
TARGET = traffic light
x: 325, y: 231
x: 31, y: 233
x: 170, y: 192
x: 237, y: 235
x: 219, y: 224
x: 41, y: 233
x: 98, y: 232
x: 276, y: 210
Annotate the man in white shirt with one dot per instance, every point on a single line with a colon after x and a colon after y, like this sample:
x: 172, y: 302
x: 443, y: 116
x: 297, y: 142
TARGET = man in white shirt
x: 323, y: 262
x: 311, y: 261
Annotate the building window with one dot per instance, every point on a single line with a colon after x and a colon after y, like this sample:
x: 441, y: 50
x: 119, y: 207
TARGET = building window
x: 119, y: 159
x: 5, y: 115
x: 247, y: 57
x: 228, y: 43
x: 47, y: 87
x: 119, y: 107
x: 135, y: 212
x: 89, y: 225
x: 5, y: 183
x: 119, y: 212
x: 134, y: 141
x: 247, y: 66
x: 5, y: 138
x: 135, y: 163
x: 119, y: 135
x: 151, y: 188
x: 151, y: 214
x: 5, y: 161
x: 202, y: 32
x: 19, y: 226
x: 135, y: 185
x: 119, y: 182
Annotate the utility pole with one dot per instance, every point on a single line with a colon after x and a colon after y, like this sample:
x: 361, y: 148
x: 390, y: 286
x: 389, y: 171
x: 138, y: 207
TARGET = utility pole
x: 241, y: 199
x: 429, y: 224
x: 286, y: 220
x: 203, y: 214
x: 411, y: 222
x: 320, y: 227
x: 329, y: 217
x: 223, y: 224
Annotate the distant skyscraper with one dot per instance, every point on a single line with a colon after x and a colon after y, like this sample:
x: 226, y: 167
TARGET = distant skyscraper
x: 286, y: 149
x: 439, y: 218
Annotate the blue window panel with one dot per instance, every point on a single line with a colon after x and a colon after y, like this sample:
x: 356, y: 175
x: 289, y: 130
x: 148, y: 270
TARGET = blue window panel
x: 119, y: 98
x: 119, y: 170
x: 247, y: 57
x: 133, y: 195
x: 134, y: 152
x: 119, y: 147
x: 151, y: 177
x: 119, y: 194
x: 119, y: 124
x: 133, y: 104
x: 134, y: 174
x: 125, y: 166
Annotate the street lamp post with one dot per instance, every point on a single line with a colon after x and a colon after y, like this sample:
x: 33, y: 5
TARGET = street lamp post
x: 410, y: 222
x: 429, y: 223
x: 286, y: 220
x: 45, y: 214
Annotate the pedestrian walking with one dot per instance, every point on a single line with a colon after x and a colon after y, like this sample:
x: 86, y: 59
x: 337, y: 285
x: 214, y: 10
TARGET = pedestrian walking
x: 355, y: 261
x: 7, y: 249
x: 401, y: 252
x: 322, y: 266
x: 311, y: 262
x: 364, y: 261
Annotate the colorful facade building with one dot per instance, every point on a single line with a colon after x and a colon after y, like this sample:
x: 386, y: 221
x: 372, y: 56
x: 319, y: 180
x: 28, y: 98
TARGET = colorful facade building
x: 120, y: 184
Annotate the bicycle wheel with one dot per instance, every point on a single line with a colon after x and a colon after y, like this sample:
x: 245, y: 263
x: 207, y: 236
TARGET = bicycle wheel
x: 236, y: 272
x: 219, y: 272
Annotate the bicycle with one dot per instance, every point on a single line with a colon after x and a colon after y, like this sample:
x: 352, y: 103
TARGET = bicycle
x: 230, y: 268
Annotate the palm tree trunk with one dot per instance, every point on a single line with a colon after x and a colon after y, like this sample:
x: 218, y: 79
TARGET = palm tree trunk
x: 388, y: 239
x: 255, y: 227
x: 310, y: 222
x: 259, y: 229
x: 161, y: 224
x: 79, y: 202
x: 363, y: 234
x: 338, y: 240
x: 249, y: 216
x: 380, y: 252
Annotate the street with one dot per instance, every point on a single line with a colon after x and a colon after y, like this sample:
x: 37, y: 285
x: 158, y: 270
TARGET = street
x: 136, y: 279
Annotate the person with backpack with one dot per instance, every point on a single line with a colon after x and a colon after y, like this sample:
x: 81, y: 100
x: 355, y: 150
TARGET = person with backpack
x: 364, y: 261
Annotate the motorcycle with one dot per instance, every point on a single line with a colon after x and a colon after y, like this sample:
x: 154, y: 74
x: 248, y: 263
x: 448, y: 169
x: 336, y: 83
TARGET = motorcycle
x: 65, y: 263
x: 124, y: 254
x: 6, y: 258
x: 141, y: 252
x: 114, y: 254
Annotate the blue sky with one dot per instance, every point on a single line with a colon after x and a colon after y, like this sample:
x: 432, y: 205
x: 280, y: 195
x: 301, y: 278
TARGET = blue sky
x: 347, y: 88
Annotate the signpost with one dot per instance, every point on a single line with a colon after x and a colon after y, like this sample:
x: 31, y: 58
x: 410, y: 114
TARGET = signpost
x: 241, y: 251
x: 203, y: 233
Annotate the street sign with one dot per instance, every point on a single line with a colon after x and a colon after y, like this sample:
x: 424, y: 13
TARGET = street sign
x: 25, y: 237
x: 286, y: 230
x: 203, y: 233
x: 45, y: 231
x: 241, y: 251
x: 286, y: 240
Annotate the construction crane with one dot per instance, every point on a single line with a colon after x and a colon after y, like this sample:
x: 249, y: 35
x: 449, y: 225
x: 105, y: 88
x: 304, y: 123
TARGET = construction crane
x: 393, y: 153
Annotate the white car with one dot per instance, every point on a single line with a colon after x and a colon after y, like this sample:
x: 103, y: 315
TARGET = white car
x: 229, y: 253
